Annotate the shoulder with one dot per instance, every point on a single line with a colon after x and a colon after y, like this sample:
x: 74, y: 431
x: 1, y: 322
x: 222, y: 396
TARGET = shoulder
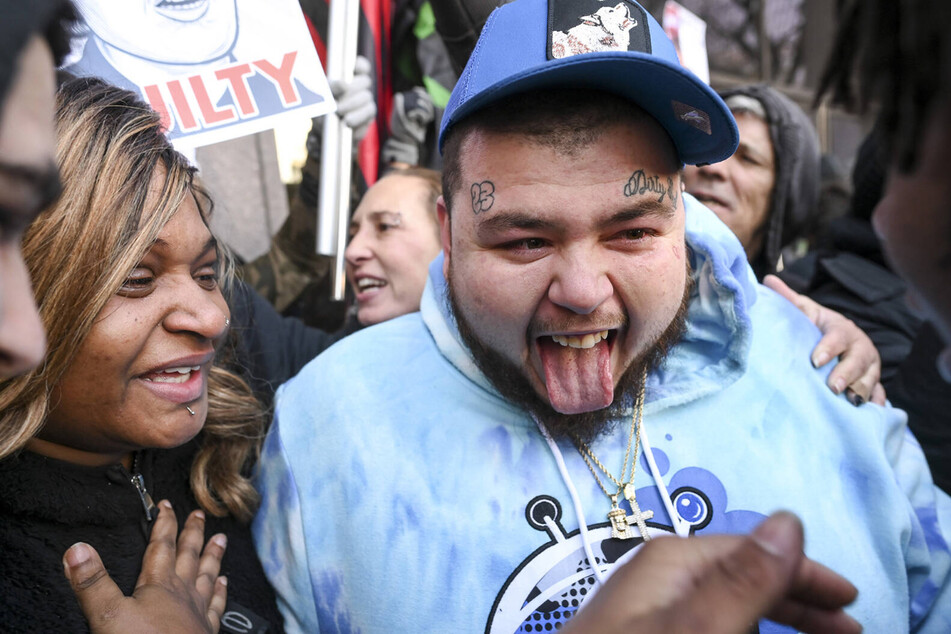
x: 361, y: 371
x: 374, y: 349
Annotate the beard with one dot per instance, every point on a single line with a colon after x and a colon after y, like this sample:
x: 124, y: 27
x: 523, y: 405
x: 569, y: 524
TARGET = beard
x: 512, y: 382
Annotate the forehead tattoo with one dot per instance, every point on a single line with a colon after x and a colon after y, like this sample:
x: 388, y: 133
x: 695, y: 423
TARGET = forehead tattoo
x: 483, y: 196
x: 640, y: 183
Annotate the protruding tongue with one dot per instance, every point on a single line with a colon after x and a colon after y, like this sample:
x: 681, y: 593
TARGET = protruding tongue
x: 578, y: 380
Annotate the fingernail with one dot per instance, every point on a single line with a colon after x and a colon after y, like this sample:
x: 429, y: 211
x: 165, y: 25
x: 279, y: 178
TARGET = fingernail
x: 165, y: 504
x: 819, y: 359
x: 223, y: 580
x: 220, y: 540
x: 776, y: 534
x: 200, y: 515
x: 854, y: 397
x: 838, y: 385
x: 78, y: 554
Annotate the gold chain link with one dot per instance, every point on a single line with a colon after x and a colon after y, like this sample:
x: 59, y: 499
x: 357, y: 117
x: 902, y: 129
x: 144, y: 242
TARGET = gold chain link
x: 634, y: 438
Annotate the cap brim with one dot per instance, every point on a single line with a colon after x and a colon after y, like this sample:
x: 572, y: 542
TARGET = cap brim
x: 659, y: 85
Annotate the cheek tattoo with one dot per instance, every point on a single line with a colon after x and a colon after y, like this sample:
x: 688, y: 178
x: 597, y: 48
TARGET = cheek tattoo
x: 639, y: 183
x: 482, y: 196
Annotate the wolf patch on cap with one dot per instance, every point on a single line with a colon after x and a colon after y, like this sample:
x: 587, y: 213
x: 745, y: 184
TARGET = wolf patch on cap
x: 588, y: 26
x: 612, y: 46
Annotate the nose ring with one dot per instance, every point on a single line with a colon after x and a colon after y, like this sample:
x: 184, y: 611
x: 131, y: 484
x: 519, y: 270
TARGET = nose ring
x: 227, y: 322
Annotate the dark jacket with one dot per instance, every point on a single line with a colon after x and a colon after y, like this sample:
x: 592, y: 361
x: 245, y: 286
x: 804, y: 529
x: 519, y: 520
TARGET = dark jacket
x: 47, y: 505
x: 269, y: 347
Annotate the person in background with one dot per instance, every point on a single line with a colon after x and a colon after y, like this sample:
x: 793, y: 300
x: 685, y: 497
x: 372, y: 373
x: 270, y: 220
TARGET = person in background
x: 33, y: 36
x: 135, y: 401
x: 767, y: 193
x: 394, y: 236
x: 896, y: 58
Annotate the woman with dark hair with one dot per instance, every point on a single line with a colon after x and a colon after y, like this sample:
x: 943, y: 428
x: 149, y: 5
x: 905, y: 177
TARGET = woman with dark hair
x: 135, y: 400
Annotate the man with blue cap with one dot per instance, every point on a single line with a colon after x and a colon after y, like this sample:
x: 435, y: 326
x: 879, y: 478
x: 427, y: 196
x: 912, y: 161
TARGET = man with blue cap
x: 594, y: 367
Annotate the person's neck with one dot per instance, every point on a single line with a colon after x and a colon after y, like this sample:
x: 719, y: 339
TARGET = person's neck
x: 77, y: 456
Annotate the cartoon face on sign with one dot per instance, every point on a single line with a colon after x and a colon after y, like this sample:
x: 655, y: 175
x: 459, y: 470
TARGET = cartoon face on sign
x: 606, y: 29
x: 168, y: 32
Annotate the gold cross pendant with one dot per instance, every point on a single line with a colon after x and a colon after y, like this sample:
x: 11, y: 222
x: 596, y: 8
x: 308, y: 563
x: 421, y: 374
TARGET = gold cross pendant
x: 637, y: 515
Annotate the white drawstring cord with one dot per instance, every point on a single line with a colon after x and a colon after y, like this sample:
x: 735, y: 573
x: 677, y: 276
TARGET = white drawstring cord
x: 582, y: 524
x: 680, y: 527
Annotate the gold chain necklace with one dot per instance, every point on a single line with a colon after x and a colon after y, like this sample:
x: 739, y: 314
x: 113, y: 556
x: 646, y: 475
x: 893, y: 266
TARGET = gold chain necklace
x: 621, y: 527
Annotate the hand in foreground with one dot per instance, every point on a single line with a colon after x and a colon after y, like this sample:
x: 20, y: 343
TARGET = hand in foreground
x: 860, y: 366
x: 721, y: 584
x: 178, y: 590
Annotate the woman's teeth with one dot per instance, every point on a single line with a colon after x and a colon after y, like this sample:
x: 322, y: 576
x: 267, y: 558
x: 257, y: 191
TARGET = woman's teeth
x: 173, y: 375
x: 585, y: 341
x: 366, y: 282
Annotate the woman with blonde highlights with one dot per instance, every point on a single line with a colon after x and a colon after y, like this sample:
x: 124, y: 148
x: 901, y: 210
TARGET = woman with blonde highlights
x: 135, y: 400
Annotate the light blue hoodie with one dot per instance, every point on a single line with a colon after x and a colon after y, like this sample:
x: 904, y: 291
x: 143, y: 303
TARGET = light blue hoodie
x: 401, y: 493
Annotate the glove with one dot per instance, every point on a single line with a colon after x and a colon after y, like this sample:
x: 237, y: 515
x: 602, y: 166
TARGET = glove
x: 413, y: 111
x: 355, y: 104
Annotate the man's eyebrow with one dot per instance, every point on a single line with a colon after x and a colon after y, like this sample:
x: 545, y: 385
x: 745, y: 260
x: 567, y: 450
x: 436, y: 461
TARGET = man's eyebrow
x: 512, y: 220
x: 642, y: 209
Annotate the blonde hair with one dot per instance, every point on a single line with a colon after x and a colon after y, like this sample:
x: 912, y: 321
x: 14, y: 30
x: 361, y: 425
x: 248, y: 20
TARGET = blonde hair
x: 80, y: 251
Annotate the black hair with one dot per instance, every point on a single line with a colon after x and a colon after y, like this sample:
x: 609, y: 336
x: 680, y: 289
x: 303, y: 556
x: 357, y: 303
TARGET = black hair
x: 894, y: 55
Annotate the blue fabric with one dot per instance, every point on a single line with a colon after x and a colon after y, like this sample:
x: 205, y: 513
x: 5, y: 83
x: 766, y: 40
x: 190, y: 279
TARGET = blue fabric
x: 401, y: 493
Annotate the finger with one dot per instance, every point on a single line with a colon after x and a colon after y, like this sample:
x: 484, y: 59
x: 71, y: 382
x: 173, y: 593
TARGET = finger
x: 809, y: 619
x: 188, y: 551
x: 216, y: 607
x: 878, y: 395
x: 210, y: 565
x: 97, y: 593
x: 158, y: 563
x: 803, y: 303
x: 362, y: 66
x: 832, y: 344
x: 360, y: 116
x: 859, y: 372
x: 748, y: 581
x: 816, y: 600
x: 820, y: 587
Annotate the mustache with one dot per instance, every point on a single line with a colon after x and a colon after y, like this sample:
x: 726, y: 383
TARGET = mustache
x: 607, y: 319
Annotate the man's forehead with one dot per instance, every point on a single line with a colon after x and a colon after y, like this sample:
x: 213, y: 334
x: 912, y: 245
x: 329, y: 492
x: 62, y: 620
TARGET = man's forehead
x: 649, y: 141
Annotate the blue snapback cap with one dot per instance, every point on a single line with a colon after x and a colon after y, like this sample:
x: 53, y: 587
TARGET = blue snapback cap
x: 607, y: 45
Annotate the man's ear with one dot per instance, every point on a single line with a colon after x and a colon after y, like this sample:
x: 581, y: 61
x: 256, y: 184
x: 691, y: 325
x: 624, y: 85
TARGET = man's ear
x: 445, y: 234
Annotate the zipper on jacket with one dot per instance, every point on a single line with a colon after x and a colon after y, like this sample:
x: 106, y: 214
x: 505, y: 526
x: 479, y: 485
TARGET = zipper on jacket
x: 139, y: 483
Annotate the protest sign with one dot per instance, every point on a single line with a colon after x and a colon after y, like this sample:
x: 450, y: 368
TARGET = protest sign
x: 214, y: 69
x: 689, y: 34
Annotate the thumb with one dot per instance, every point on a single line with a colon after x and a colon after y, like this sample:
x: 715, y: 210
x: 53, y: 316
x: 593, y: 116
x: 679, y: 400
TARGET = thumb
x: 97, y: 593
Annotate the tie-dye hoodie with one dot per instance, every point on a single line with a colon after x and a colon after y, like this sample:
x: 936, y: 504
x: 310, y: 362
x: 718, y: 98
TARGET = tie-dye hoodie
x: 401, y: 493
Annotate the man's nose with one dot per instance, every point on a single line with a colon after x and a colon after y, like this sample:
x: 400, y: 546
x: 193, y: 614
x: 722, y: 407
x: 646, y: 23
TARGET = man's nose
x: 581, y: 282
